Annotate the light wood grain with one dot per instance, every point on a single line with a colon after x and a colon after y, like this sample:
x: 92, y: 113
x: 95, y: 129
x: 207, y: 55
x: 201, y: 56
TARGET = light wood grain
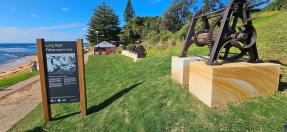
x: 180, y: 68
x: 136, y: 58
x: 46, y: 106
x: 131, y: 55
x: 82, y: 81
x: 218, y: 85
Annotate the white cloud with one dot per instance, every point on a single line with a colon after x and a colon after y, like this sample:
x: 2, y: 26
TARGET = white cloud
x: 75, y: 24
x: 65, y: 9
x: 33, y: 15
x: 85, y: 29
x: 29, y: 35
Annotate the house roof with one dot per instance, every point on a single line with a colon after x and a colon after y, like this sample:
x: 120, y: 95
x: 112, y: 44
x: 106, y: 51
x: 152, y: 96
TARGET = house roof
x: 104, y: 44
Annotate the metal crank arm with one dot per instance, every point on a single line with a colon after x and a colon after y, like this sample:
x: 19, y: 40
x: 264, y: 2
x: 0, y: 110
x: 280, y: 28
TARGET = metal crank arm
x: 185, y: 48
x: 188, y: 42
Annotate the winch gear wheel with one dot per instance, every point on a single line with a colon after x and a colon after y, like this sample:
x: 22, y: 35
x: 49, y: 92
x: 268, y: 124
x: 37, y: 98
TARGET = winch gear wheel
x: 210, y: 43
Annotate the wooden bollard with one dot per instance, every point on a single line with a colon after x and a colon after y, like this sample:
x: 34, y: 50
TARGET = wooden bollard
x: 34, y: 65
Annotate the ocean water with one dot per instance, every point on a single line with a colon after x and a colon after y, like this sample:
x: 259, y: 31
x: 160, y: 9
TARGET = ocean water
x: 14, y: 51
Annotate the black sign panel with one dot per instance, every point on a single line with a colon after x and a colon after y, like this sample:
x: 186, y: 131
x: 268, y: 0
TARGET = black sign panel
x: 61, y: 71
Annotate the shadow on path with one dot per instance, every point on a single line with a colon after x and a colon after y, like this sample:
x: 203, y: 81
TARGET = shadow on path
x: 5, y: 89
x: 109, y: 101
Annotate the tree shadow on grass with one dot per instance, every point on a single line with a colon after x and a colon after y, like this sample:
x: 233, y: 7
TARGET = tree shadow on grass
x: 109, y: 101
x: 277, y: 61
x: 92, y: 109
x: 103, y: 105
x: 65, y: 116
x: 37, y: 129
x: 282, y: 85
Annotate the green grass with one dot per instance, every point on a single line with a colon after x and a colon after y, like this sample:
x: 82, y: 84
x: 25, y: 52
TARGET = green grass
x: 6, y: 82
x: 141, y: 96
x: 119, y: 49
x: 123, y: 95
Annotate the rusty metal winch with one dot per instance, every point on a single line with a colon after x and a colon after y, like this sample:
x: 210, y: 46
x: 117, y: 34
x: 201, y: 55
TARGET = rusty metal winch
x: 141, y: 52
x: 133, y: 49
x: 124, y: 47
x: 231, y: 29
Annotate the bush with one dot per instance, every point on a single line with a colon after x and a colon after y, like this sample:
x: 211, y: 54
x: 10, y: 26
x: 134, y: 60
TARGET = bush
x: 166, y: 35
x: 155, y: 39
x: 151, y: 34
x: 129, y: 46
x: 119, y: 49
x: 276, y: 5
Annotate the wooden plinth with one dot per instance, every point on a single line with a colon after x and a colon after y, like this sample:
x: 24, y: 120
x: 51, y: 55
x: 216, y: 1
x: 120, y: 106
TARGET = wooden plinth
x: 180, y: 68
x: 125, y: 52
x: 132, y: 55
x: 218, y: 85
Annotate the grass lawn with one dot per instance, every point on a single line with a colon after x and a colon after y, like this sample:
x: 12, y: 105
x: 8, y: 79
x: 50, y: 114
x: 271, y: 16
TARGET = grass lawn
x: 123, y: 95
x: 6, y: 82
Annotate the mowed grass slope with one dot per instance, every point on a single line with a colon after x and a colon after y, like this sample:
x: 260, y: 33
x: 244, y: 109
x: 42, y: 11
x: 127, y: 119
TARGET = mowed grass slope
x: 123, y: 95
x: 6, y: 82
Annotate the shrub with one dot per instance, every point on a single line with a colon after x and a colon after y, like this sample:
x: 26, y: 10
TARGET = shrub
x: 119, y: 49
x: 129, y: 46
x: 166, y: 35
x: 276, y: 5
x: 151, y: 34
x: 155, y: 39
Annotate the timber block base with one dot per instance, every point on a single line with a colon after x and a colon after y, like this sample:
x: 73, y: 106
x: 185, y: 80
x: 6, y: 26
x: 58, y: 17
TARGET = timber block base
x: 136, y: 58
x: 125, y: 52
x: 132, y: 55
x: 180, y: 68
x: 220, y: 84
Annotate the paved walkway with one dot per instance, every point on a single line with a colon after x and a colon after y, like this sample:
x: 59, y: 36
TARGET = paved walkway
x: 16, y: 108
x: 18, y: 86
x: 20, y: 99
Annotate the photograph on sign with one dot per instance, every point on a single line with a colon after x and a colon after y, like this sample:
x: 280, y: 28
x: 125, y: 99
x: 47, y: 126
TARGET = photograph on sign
x: 61, y: 63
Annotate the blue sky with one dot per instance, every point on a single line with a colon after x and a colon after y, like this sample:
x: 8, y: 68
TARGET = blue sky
x: 23, y: 21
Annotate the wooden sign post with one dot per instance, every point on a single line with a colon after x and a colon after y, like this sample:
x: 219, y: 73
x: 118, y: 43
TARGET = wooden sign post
x: 62, y: 74
x: 82, y: 79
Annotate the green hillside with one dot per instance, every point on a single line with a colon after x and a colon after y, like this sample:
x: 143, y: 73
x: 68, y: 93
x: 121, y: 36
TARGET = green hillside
x: 123, y: 95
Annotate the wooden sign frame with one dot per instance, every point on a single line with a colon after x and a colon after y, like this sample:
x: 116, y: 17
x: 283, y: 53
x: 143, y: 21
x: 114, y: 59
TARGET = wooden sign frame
x: 82, y: 83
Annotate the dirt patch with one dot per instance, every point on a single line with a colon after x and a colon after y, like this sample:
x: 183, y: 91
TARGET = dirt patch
x: 221, y: 109
x: 21, y: 94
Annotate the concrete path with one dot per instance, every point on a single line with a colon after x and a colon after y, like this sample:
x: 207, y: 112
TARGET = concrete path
x: 16, y: 108
x: 18, y: 86
x: 86, y: 56
x: 20, y: 99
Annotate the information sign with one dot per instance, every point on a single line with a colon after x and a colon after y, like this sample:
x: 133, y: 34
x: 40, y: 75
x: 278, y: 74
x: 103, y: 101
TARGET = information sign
x: 61, y: 71
x: 62, y: 74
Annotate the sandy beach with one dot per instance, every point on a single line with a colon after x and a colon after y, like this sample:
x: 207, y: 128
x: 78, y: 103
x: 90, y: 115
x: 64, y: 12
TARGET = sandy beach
x: 22, y: 65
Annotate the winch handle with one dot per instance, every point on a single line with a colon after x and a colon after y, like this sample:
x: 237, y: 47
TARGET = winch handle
x: 222, y: 9
x: 256, y: 4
